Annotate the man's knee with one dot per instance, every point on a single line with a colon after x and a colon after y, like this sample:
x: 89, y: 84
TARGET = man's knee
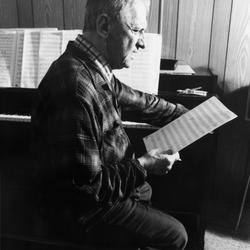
x: 181, y: 238
x: 175, y: 235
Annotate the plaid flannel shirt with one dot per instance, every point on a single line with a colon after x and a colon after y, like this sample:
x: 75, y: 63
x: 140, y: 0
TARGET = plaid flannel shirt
x: 85, y: 153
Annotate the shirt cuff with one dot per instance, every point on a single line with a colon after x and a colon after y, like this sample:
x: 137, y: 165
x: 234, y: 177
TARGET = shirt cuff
x: 137, y: 164
x: 180, y: 110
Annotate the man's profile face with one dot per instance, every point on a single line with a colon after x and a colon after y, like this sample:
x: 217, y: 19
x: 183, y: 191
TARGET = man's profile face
x: 126, y: 37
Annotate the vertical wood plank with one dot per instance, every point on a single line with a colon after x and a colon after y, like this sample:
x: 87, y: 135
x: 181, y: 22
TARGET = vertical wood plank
x: 194, y: 30
x: 74, y: 12
x: 8, y: 14
x: 238, y: 61
x: 48, y: 13
x: 169, y: 28
x: 219, y: 38
x: 153, y: 18
x: 25, y: 13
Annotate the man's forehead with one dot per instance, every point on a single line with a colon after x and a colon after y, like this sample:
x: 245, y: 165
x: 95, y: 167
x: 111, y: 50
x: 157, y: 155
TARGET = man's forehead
x: 135, y: 13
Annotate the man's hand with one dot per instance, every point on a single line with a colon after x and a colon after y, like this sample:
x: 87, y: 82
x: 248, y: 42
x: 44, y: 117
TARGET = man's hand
x: 158, y: 162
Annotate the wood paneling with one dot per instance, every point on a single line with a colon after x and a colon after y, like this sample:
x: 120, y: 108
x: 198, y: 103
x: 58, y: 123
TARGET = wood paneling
x: 153, y: 19
x: 74, y: 11
x: 25, y: 13
x: 169, y: 28
x: 238, y: 61
x: 48, y: 13
x: 194, y: 28
x: 8, y: 14
x: 219, y: 38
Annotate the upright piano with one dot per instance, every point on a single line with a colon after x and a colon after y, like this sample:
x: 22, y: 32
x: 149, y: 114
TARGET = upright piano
x: 181, y: 192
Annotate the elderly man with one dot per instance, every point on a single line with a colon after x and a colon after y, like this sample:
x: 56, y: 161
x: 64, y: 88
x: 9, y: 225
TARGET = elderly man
x: 86, y: 156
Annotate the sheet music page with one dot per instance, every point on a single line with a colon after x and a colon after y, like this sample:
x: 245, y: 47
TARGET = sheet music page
x: 180, y: 70
x: 30, y: 59
x: 7, y: 57
x: 69, y: 35
x: 18, y: 58
x: 144, y: 71
x: 191, y: 126
x: 49, y: 50
x: 22, y: 29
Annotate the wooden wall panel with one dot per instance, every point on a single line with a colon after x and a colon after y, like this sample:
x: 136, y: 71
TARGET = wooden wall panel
x: 74, y: 11
x: 48, y: 13
x: 153, y: 19
x: 238, y: 62
x: 169, y: 28
x: 25, y: 13
x: 194, y: 28
x: 219, y: 38
x: 8, y: 14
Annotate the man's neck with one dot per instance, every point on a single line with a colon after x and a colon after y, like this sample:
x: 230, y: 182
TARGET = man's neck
x: 98, y: 42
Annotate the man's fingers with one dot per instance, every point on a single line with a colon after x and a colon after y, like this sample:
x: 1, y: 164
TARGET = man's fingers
x: 173, y: 157
x: 167, y: 152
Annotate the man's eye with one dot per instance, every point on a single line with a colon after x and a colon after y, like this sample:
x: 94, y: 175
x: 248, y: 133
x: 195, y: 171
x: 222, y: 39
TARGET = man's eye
x: 136, y: 31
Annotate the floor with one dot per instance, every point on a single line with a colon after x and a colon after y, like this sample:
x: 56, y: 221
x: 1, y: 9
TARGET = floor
x: 219, y: 241
x: 221, y: 228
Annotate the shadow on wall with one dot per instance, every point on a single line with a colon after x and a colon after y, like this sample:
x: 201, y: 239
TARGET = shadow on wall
x: 237, y: 101
x: 233, y: 150
x: 230, y: 178
x: 232, y: 162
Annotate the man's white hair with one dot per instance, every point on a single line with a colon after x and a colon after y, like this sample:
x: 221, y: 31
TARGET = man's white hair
x: 111, y: 7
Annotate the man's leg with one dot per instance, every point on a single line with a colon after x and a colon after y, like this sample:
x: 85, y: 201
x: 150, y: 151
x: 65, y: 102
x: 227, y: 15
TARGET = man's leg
x: 135, y: 222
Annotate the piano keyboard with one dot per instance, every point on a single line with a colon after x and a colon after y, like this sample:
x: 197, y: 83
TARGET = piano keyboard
x: 26, y: 118
x: 15, y: 118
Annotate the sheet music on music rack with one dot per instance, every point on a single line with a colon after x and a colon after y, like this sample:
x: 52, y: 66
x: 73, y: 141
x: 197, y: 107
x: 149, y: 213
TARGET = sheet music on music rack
x: 26, y: 54
x: 145, y: 69
x: 191, y: 126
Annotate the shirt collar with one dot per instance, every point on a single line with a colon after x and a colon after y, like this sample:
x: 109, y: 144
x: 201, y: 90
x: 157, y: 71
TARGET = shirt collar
x: 95, y: 56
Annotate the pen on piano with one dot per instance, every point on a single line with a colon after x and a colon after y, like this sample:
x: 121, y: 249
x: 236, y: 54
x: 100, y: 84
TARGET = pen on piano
x: 196, y: 88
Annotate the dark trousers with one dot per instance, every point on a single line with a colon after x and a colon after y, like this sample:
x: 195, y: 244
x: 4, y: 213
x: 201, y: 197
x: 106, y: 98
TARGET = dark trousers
x: 135, y: 223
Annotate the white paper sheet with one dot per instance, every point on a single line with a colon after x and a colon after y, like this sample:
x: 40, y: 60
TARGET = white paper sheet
x: 49, y: 50
x: 8, y: 40
x: 16, y: 79
x: 69, y: 35
x: 30, y: 59
x: 26, y: 54
x: 144, y: 71
x: 52, y: 45
x: 191, y: 126
x: 180, y: 70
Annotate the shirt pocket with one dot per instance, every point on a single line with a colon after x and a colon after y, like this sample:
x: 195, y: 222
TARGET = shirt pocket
x: 115, y: 143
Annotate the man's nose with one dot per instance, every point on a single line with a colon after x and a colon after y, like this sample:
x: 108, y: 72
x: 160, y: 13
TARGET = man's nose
x: 140, y: 44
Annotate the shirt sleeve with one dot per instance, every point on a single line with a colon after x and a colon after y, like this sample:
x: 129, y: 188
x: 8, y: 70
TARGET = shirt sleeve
x: 142, y: 107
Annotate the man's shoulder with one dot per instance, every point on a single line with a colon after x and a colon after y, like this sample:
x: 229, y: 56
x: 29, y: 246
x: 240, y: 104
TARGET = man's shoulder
x: 70, y: 75
x: 71, y: 66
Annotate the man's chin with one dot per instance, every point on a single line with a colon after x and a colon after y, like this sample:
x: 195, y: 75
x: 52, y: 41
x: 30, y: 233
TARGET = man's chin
x: 127, y: 64
x: 124, y: 64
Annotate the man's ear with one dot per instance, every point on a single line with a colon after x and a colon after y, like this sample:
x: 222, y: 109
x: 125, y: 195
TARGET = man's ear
x: 103, y: 25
